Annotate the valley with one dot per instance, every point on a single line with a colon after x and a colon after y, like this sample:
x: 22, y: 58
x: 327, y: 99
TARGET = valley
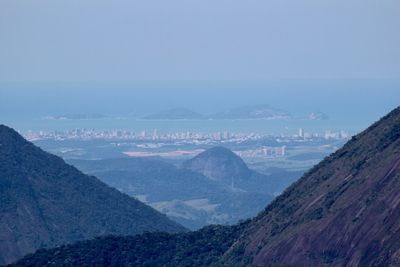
x: 153, y: 170
x: 342, y: 212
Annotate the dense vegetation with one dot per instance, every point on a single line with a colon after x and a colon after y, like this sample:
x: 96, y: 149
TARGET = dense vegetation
x: 200, y: 248
x: 192, y: 195
x: 45, y: 202
x: 223, y: 166
x: 343, y: 212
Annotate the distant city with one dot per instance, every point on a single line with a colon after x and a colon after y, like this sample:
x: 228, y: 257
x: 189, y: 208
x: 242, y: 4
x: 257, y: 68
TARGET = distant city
x: 185, y: 144
x: 188, y: 137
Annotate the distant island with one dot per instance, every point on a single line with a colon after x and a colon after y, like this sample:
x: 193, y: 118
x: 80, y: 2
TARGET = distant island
x: 175, y: 114
x: 252, y: 112
x: 76, y: 117
x: 315, y: 116
x: 244, y: 112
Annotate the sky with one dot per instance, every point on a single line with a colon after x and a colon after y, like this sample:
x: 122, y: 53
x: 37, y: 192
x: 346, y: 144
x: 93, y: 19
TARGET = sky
x: 198, y: 40
x: 134, y: 57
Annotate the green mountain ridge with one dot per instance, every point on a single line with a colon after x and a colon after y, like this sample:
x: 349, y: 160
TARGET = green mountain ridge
x: 343, y: 212
x: 46, y: 203
x: 194, y: 197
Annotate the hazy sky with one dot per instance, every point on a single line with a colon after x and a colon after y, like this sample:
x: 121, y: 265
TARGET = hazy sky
x: 192, y: 40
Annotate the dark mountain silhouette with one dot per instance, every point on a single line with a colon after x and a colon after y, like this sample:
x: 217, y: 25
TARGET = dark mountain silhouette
x: 45, y: 202
x: 199, y: 248
x: 343, y: 212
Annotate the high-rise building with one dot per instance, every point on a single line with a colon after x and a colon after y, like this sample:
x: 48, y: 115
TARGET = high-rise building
x: 301, y: 132
x: 155, y: 134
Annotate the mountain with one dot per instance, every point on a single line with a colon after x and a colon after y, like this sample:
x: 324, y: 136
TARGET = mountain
x: 223, y: 166
x: 175, y: 114
x: 343, y: 212
x: 46, y: 203
x: 244, y: 112
x: 315, y: 116
x: 219, y: 164
x: 199, y: 248
x: 252, y: 112
x: 187, y: 196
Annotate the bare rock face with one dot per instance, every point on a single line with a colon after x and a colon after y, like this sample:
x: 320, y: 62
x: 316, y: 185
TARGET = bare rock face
x: 343, y: 212
x: 45, y: 202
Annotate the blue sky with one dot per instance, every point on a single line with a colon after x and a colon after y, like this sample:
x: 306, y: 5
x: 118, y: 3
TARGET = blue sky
x: 193, y: 40
x: 340, y: 57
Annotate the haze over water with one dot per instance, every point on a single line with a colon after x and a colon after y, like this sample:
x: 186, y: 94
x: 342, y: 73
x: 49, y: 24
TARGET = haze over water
x: 130, y: 58
x: 350, y: 105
